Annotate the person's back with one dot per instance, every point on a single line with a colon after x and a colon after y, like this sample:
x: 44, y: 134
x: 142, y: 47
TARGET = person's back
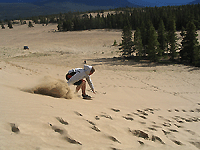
x: 76, y: 76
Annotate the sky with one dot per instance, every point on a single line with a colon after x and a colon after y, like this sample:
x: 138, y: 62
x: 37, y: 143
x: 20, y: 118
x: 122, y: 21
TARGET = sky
x: 161, y: 2
x: 139, y: 2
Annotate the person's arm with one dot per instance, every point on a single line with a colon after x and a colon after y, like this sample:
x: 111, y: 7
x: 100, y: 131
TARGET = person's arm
x: 90, y: 84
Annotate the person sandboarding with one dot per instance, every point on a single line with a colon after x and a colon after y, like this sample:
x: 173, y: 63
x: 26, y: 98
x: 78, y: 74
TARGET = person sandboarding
x: 76, y: 77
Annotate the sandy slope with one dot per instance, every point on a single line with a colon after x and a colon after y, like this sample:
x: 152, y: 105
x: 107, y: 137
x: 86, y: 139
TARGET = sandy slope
x: 137, y: 106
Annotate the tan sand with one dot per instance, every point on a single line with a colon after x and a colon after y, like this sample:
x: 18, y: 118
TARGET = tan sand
x: 137, y: 106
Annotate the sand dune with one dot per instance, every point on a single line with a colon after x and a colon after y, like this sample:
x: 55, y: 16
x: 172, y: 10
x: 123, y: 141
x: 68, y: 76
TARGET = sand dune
x: 136, y: 106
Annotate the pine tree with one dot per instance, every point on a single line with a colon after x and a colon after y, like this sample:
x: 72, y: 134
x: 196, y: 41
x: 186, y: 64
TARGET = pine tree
x: 190, y: 46
x: 172, y: 38
x: 144, y: 34
x: 138, y: 43
x: 30, y: 24
x: 153, y: 44
x: 67, y: 25
x: 10, y: 25
x: 2, y: 26
x: 162, y: 38
x: 127, y: 43
x: 183, y: 32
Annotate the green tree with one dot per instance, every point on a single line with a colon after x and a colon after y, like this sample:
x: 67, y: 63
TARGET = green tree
x: 162, y: 38
x: 138, y: 43
x: 67, y: 25
x: 153, y: 44
x: 183, y: 33
x: 172, y: 38
x: 190, y: 46
x: 127, y: 43
x: 59, y: 26
x: 2, y: 26
x: 10, y: 25
x: 30, y: 24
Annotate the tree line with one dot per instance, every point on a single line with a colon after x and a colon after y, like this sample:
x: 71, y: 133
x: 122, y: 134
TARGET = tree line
x: 134, y: 17
x: 161, y: 44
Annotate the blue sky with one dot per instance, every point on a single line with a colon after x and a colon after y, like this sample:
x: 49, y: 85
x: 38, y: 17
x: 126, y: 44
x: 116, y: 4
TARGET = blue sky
x: 139, y: 2
x: 161, y: 2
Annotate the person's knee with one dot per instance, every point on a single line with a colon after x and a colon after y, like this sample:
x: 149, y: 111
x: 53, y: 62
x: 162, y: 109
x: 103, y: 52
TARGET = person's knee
x: 83, y: 83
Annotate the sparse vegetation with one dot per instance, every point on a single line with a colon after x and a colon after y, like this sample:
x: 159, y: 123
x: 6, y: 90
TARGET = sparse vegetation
x: 115, y: 43
x: 10, y: 25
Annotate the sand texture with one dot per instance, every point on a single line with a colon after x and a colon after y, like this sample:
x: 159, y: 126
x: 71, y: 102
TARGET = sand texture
x: 136, y: 105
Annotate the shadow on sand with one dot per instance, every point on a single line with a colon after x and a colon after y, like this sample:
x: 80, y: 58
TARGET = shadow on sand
x: 134, y: 61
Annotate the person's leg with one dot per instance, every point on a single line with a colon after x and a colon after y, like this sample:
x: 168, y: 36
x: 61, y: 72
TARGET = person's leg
x: 82, y: 86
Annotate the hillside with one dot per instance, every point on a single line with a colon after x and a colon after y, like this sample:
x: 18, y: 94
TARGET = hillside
x: 21, y: 10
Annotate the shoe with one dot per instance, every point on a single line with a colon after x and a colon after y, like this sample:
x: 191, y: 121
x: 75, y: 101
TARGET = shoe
x: 86, y: 96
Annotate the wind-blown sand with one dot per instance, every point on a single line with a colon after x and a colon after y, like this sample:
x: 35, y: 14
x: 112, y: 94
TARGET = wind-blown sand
x: 136, y: 106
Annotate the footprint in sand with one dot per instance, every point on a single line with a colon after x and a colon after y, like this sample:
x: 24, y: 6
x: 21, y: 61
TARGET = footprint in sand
x: 142, y: 122
x: 149, y: 110
x: 79, y: 114
x: 141, y: 143
x: 165, y: 124
x: 139, y: 133
x: 128, y: 118
x: 112, y: 148
x: 95, y: 128
x: 106, y: 116
x: 178, y: 126
x: 142, y: 112
x: 97, y: 118
x: 90, y: 122
x: 197, y: 110
x: 62, y: 121
x: 177, y: 142
x: 166, y: 132
x: 173, y: 130
x: 197, y: 144
x: 145, y: 136
x: 72, y: 141
x: 116, y: 110
x: 178, y: 119
x: 63, y: 132
x: 153, y: 129
x: 14, y: 128
x: 114, y: 139
x: 56, y: 129
x: 157, y: 139
x: 191, y: 132
x: 143, y: 117
x: 156, y: 126
x: 176, y: 110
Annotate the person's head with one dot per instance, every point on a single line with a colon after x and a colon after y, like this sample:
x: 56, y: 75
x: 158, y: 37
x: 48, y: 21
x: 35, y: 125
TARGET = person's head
x: 92, y: 71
